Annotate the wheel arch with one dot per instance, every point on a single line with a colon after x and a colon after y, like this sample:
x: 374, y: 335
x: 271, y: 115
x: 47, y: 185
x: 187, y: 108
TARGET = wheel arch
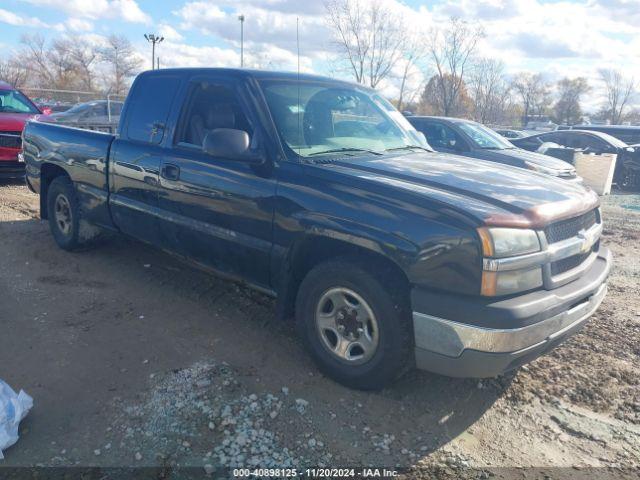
x: 311, y: 250
x: 48, y: 172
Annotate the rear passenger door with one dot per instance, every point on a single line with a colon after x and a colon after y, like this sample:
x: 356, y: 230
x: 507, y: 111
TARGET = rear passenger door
x: 136, y: 155
x: 218, y: 211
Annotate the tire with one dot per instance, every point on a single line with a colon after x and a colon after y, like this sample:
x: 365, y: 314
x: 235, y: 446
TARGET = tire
x: 389, y: 346
x: 64, y: 214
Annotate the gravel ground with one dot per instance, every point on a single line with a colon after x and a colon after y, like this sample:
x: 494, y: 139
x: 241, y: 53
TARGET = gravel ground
x: 136, y: 359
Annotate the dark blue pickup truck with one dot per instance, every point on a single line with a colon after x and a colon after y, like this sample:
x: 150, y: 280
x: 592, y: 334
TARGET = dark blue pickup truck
x: 320, y: 193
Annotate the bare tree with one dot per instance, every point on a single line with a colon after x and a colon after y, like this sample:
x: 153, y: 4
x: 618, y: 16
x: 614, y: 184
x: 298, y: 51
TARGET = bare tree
x: 619, y: 91
x: 64, y: 64
x: 35, y: 56
x: 414, y: 51
x: 451, y: 50
x: 490, y: 91
x: 570, y: 91
x: 84, y: 56
x: 13, y: 72
x: 120, y: 55
x: 534, y: 93
x: 368, y: 35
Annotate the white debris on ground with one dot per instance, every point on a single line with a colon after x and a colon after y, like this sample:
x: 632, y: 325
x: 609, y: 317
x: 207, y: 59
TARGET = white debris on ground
x: 13, y: 408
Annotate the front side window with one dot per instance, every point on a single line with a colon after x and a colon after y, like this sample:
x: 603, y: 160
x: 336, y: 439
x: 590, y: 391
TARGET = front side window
x: 99, y: 110
x: 208, y: 108
x: 441, y: 136
x: 321, y: 118
x: 12, y: 101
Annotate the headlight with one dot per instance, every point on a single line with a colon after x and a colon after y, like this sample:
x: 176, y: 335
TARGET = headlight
x: 503, y: 243
x: 510, y: 281
x: 539, y: 168
x: 508, y: 242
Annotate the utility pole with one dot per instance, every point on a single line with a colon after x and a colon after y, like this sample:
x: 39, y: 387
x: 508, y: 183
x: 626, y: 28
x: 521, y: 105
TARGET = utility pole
x: 152, y: 38
x: 158, y: 62
x: 241, y: 18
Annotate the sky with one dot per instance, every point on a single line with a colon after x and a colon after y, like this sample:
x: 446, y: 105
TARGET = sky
x: 567, y: 38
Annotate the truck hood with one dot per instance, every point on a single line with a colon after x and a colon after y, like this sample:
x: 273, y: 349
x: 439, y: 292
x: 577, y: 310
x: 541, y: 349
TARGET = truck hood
x: 537, y: 158
x: 14, y: 122
x: 495, y: 194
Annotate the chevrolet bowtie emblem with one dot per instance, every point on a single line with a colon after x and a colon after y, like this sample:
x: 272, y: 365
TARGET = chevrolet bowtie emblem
x: 586, y: 242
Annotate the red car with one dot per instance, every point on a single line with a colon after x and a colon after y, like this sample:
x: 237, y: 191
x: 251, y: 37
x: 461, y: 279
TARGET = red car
x: 15, y: 110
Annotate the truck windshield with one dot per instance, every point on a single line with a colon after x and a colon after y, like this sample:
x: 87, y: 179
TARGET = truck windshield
x: 482, y: 137
x: 12, y: 101
x: 320, y: 118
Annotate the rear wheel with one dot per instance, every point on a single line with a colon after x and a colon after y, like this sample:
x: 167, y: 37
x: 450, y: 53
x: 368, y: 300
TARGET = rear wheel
x: 628, y: 180
x: 64, y: 213
x: 358, y: 332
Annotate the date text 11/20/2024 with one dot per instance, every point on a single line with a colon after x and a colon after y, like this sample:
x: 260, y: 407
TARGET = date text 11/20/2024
x: 316, y: 472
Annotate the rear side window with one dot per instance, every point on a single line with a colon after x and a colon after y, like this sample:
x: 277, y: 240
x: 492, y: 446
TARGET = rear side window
x: 150, y: 106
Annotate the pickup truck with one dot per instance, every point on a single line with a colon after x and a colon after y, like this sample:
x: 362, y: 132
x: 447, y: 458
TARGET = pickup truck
x: 319, y: 192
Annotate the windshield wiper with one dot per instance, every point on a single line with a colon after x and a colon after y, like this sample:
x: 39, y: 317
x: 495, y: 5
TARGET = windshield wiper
x: 405, y: 147
x: 345, y: 150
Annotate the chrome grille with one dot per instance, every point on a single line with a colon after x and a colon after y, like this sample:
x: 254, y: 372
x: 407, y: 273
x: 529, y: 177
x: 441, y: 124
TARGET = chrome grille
x: 570, y: 263
x: 565, y: 229
x: 10, y: 139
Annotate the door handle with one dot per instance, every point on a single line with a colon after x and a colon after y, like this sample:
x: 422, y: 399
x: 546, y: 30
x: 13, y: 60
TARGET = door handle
x: 170, y: 171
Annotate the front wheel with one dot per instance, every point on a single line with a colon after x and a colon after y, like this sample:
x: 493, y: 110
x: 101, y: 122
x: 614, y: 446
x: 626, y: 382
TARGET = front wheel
x: 358, y: 332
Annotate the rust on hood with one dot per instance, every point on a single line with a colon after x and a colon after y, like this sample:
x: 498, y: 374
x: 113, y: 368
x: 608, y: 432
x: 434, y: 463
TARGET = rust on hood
x: 542, y: 215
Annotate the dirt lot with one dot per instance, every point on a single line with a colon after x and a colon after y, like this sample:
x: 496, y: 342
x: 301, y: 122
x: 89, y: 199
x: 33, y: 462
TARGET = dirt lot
x: 134, y: 358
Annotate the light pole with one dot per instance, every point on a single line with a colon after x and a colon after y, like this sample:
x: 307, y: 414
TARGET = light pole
x: 152, y: 38
x: 241, y: 18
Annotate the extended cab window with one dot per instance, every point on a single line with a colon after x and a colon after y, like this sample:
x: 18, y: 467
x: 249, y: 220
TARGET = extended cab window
x: 150, y: 106
x: 208, y: 108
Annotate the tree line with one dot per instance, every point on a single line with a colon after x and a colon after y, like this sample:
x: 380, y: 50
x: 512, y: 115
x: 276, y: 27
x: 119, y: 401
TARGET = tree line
x: 72, y: 64
x: 438, y: 70
x: 376, y: 44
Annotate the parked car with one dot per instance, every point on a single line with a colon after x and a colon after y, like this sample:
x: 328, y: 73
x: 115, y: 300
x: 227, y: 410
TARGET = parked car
x: 628, y: 134
x: 627, y: 172
x: 320, y: 193
x: 53, y: 107
x: 509, y: 133
x: 15, y: 110
x: 471, y: 139
x: 95, y: 113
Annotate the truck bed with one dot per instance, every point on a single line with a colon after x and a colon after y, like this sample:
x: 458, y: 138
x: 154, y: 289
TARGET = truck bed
x: 83, y: 154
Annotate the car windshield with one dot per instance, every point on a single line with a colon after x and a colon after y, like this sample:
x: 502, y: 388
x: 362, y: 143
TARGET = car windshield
x: 317, y: 118
x: 12, y: 101
x: 482, y: 137
x: 611, y: 139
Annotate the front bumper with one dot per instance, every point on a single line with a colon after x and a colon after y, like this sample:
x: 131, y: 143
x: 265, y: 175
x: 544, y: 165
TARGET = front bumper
x: 527, y: 326
x: 11, y: 170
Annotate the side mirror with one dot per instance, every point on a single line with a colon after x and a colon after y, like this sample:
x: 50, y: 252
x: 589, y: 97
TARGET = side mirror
x: 230, y: 144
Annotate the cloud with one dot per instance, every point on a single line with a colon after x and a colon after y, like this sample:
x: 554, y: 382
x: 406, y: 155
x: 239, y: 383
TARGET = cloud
x: 169, y: 33
x: 263, y: 27
x: 79, y: 25
x: 127, y: 10
x: 19, y: 21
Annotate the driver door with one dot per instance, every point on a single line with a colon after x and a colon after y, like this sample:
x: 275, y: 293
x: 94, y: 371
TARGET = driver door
x: 216, y: 211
